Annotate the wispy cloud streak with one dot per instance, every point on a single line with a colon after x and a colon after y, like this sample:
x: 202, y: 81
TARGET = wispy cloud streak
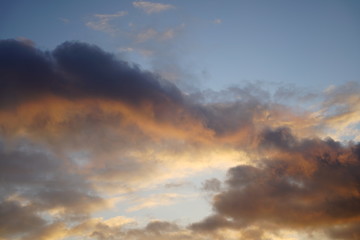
x: 102, y: 22
x: 151, y: 7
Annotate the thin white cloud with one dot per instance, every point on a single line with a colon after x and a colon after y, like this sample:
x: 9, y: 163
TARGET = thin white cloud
x: 153, y: 34
x: 141, y: 51
x: 146, y: 35
x: 150, y: 7
x: 154, y: 201
x: 102, y: 22
x: 118, y: 221
x: 168, y: 34
x: 64, y: 20
x: 217, y: 21
x: 109, y: 16
x: 145, y: 52
x: 126, y: 49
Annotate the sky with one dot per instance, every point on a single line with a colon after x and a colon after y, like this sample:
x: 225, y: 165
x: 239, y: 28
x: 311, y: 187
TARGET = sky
x: 175, y: 119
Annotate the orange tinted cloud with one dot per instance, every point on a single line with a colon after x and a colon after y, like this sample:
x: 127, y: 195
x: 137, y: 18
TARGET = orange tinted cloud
x: 302, y: 184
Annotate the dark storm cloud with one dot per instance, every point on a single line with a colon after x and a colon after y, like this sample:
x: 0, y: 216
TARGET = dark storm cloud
x: 303, y: 183
x: 76, y: 70
x: 24, y: 72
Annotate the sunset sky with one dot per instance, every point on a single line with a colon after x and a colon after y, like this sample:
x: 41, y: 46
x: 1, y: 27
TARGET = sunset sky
x: 196, y: 120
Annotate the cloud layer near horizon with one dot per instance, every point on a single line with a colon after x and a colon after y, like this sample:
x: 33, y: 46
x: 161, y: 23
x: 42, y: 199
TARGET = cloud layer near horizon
x: 80, y: 127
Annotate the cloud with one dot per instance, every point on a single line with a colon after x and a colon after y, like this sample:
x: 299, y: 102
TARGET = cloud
x: 156, y: 230
x: 81, y: 129
x: 340, y: 109
x: 146, y: 35
x: 126, y: 49
x: 346, y: 231
x: 152, y: 34
x: 168, y: 34
x: 54, y: 113
x: 142, y: 52
x: 302, y: 184
x: 217, y: 21
x: 150, y: 7
x: 155, y: 201
x: 26, y: 41
x: 36, y: 184
x: 212, y: 185
x: 17, y: 219
x: 64, y: 20
x: 102, y: 22
x: 78, y: 70
x: 212, y: 223
x: 176, y: 184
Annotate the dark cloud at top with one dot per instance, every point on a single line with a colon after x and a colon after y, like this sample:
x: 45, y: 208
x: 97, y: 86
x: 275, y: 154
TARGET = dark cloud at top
x: 94, y: 72
x: 24, y: 72
x: 76, y: 70
x: 303, y: 184
x: 81, y: 71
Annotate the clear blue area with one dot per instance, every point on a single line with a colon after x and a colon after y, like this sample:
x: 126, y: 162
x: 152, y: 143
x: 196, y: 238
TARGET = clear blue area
x: 306, y: 43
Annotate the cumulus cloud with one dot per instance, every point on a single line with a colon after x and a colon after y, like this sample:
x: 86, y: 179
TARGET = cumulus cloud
x: 150, y: 7
x: 302, y: 184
